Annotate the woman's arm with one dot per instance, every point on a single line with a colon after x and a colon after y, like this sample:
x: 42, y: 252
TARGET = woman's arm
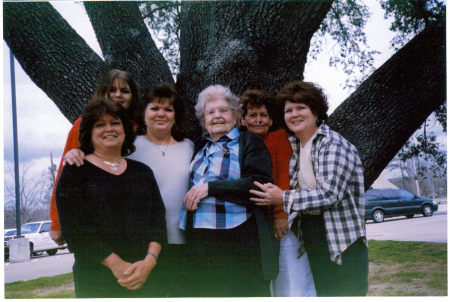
x: 71, y: 143
x: 256, y: 166
x: 77, y: 220
x: 152, y: 222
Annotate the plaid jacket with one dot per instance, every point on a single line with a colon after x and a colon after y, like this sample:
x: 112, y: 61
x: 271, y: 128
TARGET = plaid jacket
x: 339, y: 193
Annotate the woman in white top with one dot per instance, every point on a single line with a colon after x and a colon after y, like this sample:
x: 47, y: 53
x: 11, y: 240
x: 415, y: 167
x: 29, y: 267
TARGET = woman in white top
x: 162, y: 145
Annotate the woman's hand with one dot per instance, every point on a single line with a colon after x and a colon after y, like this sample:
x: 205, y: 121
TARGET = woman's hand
x: 57, y: 237
x: 280, y: 227
x: 137, y: 273
x: 74, y: 156
x: 270, y: 195
x: 194, y: 195
x: 116, y: 265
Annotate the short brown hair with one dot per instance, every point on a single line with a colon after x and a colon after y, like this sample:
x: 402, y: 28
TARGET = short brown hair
x: 159, y: 94
x: 257, y: 98
x: 95, y: 109
x: 306, y: 93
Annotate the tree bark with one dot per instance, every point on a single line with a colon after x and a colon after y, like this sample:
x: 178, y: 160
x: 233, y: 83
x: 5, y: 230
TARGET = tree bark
x: 126, y: 42
x: 53, y: 55
x: 381, y: 115
x: 244, y: 44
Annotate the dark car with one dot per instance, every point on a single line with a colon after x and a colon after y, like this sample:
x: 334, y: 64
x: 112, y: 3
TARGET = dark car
x: 381, y: 203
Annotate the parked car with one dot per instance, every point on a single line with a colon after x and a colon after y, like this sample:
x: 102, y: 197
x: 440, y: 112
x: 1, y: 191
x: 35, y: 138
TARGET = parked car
x: 381, y: 203
x: 9, y: 234
x: 40, y: 240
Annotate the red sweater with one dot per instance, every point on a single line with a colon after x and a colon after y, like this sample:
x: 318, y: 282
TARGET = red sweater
x: 71, y: 143
x: 281, y: 151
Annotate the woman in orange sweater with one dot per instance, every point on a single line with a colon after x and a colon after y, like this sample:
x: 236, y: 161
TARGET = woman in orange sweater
x: 294, y: 278
x: 117, y: 85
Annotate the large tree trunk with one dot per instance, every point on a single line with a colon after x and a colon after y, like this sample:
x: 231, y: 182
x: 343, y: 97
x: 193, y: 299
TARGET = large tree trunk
x: 60, y: 62
x: 381, y: 115
x: 241, y: 44
x: 245, y: 44
x: 53, y: 55
x: 132, y: 47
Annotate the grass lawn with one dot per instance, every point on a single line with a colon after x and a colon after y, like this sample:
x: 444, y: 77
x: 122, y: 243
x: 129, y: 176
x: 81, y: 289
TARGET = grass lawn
x: 396, y: 268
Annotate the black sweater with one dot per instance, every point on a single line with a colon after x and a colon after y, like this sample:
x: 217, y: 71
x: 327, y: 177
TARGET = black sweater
x: 101, y: 213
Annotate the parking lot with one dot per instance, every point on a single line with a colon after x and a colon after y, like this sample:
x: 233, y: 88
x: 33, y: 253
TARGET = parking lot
x: 418, y: 228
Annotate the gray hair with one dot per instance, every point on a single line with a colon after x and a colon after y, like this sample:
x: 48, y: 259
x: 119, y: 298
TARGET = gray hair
x: 215, y: 92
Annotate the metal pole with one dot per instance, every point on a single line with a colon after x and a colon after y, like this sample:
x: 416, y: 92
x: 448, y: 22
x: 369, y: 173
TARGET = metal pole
x: 16, y: 146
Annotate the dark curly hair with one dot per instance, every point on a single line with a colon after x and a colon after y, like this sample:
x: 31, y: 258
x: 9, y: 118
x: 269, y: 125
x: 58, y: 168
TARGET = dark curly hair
x: 94, y: 110
x: 160, y: 94
x: 257, y: 98
x: 104, y: 88
x: 306, y: 93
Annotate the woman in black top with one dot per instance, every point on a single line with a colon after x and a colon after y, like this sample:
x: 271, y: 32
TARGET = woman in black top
x: 110, y: 209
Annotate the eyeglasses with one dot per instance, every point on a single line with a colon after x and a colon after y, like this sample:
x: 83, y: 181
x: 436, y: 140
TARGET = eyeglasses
x: 220, y: 110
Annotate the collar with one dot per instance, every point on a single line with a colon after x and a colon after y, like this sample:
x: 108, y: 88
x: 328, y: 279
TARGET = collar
x: 231, y: 135
x: 323, y: 130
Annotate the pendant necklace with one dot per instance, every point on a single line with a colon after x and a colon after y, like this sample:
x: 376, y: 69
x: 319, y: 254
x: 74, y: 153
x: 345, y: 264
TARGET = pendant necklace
x: 113, y: 165
x: 163, y: 149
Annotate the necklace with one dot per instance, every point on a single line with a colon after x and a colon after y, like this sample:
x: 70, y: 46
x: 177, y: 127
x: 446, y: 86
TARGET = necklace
x: 163, y: 149
x: 113, y: 165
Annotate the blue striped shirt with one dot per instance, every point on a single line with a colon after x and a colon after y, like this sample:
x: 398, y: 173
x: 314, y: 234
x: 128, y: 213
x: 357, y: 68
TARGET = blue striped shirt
x: 216, y: 161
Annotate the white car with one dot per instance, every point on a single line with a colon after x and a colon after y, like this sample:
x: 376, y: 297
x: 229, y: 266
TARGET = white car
x: 40, y: 240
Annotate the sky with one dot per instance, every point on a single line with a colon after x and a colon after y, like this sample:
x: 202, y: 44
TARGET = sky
x: 42, y: 129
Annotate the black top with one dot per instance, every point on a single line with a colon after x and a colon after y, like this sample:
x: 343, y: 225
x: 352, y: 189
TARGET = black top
x: 101, y: 213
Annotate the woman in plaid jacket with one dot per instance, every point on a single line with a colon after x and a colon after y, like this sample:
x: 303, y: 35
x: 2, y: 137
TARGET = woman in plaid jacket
x: 327, y: 189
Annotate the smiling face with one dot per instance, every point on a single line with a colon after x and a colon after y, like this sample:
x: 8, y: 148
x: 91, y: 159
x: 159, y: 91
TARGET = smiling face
x: 121, y: 93
x: 159, y: 116
x: 218, y: 118
x: 300, y: 120
x: 257, y: 120
x: 108, y: 133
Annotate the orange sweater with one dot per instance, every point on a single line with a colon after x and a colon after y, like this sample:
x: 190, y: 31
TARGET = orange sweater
x: 281, y: 151
x: 71, y: 143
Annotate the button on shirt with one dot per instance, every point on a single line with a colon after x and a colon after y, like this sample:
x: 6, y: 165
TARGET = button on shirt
x: 216, y: 161
x: 339, y: 193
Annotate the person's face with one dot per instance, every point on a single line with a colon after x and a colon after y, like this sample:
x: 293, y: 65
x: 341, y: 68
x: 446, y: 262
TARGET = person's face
x: 159, y: 116
x: 299, y: 118
x: 219, y: 118
x: 121, y: 93
x: 108, y: 132
x: 257, y: 120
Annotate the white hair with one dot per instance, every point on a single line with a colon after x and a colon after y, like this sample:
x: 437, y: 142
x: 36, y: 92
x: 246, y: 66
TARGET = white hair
x: 214, y: 92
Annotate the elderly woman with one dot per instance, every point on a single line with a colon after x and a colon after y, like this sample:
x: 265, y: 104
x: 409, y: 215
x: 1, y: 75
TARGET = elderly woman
x: 294, y: 277
x: 110, y: 209
x: 234, y: 252
x: 327, y: 190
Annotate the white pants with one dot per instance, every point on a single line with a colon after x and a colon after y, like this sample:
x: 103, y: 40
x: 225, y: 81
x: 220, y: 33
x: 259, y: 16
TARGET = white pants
x: 294, y: 277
